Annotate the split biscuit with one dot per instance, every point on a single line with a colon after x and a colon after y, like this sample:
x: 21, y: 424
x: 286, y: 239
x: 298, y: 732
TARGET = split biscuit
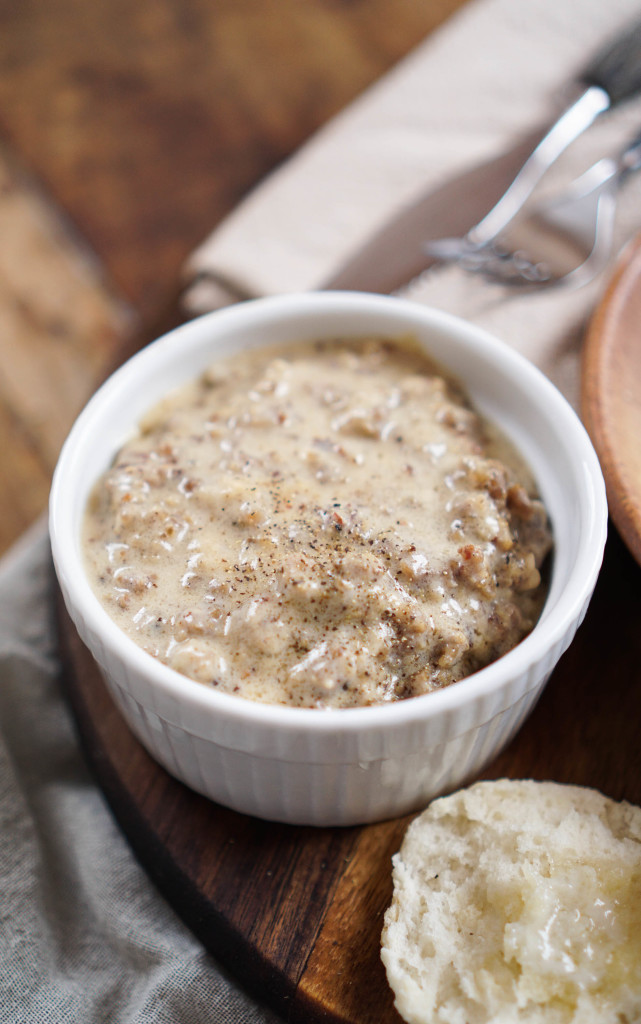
x: 518, y: 901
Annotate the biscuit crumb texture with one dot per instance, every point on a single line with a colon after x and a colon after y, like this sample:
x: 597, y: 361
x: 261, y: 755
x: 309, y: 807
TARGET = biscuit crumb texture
x: 518, y: 901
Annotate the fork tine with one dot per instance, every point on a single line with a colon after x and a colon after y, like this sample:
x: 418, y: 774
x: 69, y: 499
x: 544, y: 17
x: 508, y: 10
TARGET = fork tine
x: 506, y: 267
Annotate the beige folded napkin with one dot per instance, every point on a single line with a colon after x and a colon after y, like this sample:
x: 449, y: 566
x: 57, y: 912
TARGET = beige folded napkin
x: 468, y: 93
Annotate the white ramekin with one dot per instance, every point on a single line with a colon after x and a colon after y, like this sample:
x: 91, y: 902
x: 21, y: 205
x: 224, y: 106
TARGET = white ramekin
x: 351, y: 766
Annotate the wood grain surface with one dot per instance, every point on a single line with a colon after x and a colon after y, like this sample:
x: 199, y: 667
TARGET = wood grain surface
x: 128, y: 129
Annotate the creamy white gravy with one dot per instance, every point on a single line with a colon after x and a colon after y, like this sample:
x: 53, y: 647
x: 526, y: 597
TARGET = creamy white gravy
x: 326, y: 525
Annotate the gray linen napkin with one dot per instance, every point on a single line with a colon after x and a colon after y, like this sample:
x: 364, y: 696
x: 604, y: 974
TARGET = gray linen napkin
x: 85, y: 937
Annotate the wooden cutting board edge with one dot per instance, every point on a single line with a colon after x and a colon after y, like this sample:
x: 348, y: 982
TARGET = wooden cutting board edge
x: 304, y: 999
x: 583, y: 731
x: 179, y: 891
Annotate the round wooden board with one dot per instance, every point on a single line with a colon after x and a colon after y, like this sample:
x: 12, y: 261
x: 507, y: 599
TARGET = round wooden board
x: 296, y: 913
x: 611, y: 393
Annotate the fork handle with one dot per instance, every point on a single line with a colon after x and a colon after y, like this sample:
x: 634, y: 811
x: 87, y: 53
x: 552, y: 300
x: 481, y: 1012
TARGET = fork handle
x: 617, y: 67
x: 612, y: 76
x: 572, y: 123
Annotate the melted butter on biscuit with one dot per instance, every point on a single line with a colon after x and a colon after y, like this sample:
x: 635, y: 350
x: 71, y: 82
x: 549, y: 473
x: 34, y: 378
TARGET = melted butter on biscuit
x: 518, y: 902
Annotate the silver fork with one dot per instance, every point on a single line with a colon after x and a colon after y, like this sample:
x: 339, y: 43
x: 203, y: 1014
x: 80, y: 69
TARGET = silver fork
x: 565, y: 240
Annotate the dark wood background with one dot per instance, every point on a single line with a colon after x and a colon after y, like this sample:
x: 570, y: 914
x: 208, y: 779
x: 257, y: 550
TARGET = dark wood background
x: 128, y: 129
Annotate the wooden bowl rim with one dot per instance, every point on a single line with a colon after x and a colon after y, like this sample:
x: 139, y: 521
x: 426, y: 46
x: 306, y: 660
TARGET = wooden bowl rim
x: 601, y: 350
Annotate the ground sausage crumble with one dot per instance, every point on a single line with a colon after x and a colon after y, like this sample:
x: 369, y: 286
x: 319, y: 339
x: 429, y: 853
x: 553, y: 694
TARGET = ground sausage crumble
x: 328, y: 525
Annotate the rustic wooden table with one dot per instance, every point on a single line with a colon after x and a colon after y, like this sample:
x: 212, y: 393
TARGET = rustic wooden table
x: 127, y: 131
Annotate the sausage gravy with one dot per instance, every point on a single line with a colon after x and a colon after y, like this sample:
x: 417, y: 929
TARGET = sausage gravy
x: 325, y: 525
